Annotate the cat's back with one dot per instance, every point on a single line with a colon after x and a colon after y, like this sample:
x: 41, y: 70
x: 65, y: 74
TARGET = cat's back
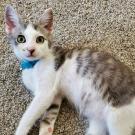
x: 103, y: 73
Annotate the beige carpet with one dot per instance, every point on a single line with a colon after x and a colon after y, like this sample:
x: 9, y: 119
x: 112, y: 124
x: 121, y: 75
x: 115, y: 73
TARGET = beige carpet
x: 108, y: 24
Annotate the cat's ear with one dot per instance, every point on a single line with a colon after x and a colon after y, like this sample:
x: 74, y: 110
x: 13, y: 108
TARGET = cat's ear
x: 47, y: 20
x: 12, y: 21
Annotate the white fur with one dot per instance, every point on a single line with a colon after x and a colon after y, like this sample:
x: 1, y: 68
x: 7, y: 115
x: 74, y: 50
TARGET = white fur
x: 121, y: 121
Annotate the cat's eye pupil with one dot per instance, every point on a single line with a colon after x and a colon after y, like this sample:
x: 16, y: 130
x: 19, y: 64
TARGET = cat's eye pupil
x: 40, y: 39
x: 21, y: 39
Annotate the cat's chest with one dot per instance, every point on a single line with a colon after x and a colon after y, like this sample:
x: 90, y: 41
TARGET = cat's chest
x: 28, y: 80
x: 40, y: 77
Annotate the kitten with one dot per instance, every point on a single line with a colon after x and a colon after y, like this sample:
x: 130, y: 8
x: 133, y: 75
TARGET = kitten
x: 15, y: 30
x: 100, y: 86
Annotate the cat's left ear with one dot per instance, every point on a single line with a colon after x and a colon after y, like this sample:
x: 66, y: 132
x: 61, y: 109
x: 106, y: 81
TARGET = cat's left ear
x: 47, y: 20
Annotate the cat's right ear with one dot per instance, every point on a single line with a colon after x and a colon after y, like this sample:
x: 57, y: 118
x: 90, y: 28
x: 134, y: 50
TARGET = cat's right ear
x: 12, y: 22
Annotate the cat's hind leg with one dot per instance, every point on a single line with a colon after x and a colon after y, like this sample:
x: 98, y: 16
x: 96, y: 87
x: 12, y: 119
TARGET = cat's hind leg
x: 96, y: 127
x: 121, y: 120
x: 48, y: 120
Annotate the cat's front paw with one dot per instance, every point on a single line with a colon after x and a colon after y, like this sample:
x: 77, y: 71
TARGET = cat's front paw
x: 48, y: 131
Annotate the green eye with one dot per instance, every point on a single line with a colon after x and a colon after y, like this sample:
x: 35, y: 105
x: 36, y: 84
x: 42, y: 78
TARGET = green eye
x: 40, y: 39
x: 21, y: 39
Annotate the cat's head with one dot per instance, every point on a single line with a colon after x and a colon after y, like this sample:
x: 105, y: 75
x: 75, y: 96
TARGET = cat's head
x: 30, y: 41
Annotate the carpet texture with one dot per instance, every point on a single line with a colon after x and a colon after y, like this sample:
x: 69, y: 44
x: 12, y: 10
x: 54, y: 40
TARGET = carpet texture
x: 106, y: 24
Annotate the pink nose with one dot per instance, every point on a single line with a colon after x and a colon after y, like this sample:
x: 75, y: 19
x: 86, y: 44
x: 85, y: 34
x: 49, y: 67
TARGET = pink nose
x: 31, y: 51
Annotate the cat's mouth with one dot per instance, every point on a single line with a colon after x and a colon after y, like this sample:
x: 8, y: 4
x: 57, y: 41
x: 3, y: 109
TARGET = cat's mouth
x: 31, y: 58
x: 30, y: 55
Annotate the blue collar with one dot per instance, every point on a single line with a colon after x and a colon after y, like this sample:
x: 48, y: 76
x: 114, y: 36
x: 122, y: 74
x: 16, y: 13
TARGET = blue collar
x: 25, y: 64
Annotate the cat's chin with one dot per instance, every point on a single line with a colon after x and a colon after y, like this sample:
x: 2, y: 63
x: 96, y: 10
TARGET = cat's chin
x: 31, y: 58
